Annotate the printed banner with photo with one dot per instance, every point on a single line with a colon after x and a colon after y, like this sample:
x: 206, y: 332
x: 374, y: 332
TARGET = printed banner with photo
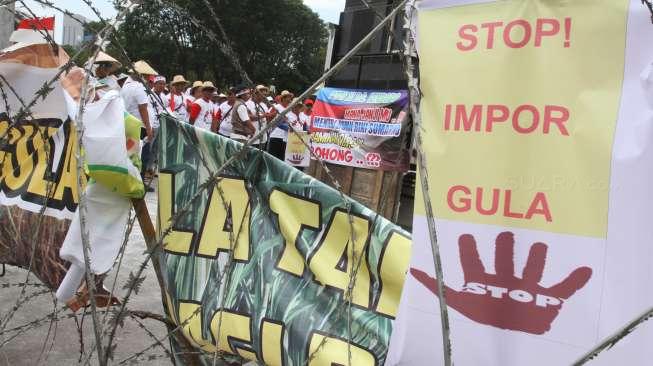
x: 538, y: 130
x: 280, y: 294
x: 361, y: 128
x: 38, y: 175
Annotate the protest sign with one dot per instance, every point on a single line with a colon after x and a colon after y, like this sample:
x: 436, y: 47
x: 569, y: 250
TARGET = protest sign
x: 538, y: 138
x: 38, y: 176
x: 361, y: 128
x: 537, y: 125
x: 260, y: 264
x: 297, y: 149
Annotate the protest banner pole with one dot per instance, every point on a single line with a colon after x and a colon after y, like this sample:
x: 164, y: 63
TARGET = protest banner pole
x: 410, y: 50
x: 149, y: 233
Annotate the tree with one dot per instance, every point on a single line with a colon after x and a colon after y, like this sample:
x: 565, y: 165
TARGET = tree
x: 279, y: 42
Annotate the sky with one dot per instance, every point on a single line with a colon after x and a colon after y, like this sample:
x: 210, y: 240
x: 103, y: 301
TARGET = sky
x: 329, y: 10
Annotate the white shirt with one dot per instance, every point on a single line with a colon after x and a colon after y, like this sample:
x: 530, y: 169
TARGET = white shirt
x: 295, y: 122
x: 226, y: 128
x: 260, y: 110
x: 242, y: 111
x: 305, y: 119
x: 154, y: 108
x: 205, y: 118
x: 278, y: 133
x: 180, y: 109
x: 133, y: 93
x: 251, y: 106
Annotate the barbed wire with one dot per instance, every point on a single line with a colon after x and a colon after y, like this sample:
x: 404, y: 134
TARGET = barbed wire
x: 336, y: 183
x: 211, y: 183
x: 49, y: 192
x: 103, y: 37
x: 228, y: 50
x: 612, y: 340
x: 46, y: 89
x: 149, y: 91
x: 649, y: 5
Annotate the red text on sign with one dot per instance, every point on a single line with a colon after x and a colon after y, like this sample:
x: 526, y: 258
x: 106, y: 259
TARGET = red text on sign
x: 334, y: 154
x: 462, y: 199
x: 518, y: 33
x: 524, y: 119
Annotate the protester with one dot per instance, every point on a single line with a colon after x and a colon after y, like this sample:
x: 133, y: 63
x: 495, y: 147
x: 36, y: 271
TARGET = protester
x: 150, y: 81
x: 202, y: 112
x: 294, y: 121
x: 105, y: 67
x: 155, y: 108
x: 221, y: 98
x: 242, y: 125
x: 279, y: 136
x: 136, y: 101
x: 223, y: 118
x: 261, y: 113
x: 251, y: 110
x: 195, y: 91
x: 263, y: 90
x: 159, y: 86
x: 305, y: 115
x: 121, y: 79
x: 176, y: 101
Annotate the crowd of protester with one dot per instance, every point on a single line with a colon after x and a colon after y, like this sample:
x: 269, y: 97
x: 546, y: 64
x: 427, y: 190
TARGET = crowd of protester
x: 238, y: 113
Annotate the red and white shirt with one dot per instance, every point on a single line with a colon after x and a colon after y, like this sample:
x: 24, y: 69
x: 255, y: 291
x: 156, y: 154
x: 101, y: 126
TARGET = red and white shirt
x: 305, y: 119
x: 177, y: 105
x: 295, y: 122
x: 203, y: 111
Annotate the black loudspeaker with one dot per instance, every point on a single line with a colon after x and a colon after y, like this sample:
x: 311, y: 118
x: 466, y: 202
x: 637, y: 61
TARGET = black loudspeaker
x: 378, y: 65
x: 371, y: 72
x: 357, y: 20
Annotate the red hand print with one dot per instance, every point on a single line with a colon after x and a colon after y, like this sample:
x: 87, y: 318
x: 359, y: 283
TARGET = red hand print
x: 503, y: 300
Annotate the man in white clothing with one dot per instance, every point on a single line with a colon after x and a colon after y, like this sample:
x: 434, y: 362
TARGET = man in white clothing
x: 305, y: 115
x: 222, y: 123
x: 262, y: 113
x: 202, y: 113
x: 175, y: 102
x: 279, y: 136
x: 243, y: 128
x: 136, y: 102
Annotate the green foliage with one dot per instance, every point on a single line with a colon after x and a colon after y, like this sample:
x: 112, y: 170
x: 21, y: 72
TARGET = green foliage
x: 279, y: 42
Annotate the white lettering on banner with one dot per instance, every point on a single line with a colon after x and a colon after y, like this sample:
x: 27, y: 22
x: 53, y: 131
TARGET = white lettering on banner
x: 360, y: 127
x: 353, y: 96
x: 369, y: 114
x: 516, y: 294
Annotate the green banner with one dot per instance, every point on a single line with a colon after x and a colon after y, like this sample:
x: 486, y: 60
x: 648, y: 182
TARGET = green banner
x: 259, y: 265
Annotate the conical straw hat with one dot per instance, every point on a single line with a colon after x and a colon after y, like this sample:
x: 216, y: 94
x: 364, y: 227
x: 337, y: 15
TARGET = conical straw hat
x: 144, y: 68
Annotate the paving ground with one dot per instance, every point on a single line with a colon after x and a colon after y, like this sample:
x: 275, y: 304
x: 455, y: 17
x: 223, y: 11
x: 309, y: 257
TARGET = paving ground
x: 62, y: 345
